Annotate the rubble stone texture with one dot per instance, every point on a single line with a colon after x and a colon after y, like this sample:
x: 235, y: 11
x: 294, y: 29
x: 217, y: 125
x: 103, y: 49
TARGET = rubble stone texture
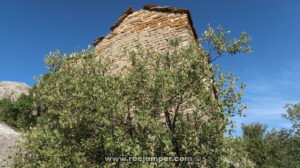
x: 152, y: 27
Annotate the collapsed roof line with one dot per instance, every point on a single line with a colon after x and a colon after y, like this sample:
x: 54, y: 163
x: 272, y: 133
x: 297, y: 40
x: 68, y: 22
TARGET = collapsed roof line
x: 173, y: 10
x: 157, y: 8
x: 129, y: 11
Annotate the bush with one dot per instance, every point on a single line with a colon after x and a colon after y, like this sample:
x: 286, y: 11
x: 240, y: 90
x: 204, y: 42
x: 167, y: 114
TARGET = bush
x: 163, y: 104
x: 283, y: 149
x: 19, y: 113
x: 238, y: 155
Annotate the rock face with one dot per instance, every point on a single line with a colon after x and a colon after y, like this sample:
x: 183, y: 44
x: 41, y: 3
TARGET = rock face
x: 9, y: 137
x: 13, y: 90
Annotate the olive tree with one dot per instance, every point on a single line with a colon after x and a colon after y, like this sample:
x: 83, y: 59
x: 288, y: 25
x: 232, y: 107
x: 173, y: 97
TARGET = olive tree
x: 167, y: 104
x: 293, y: 115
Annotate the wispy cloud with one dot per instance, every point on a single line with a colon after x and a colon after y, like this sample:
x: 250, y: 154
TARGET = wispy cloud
x: 266, y: 97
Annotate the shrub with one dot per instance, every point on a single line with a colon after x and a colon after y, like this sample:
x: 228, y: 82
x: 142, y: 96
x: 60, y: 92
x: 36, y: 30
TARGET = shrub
x: 19, y: 113
x: 163, y: 104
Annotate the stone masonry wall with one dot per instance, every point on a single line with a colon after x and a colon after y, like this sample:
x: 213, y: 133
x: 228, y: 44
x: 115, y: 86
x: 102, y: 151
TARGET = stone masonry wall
x: 151, y: 29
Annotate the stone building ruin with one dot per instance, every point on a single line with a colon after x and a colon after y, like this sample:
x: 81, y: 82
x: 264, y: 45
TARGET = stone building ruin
x: 153, y: 26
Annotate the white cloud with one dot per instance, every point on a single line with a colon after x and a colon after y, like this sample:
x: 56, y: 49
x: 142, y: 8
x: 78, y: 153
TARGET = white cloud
x: 267, y: 96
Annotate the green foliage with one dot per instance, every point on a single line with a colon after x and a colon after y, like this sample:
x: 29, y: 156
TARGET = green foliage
x: 18, y: 114
x: 284, y: 145
x: 237, y: 153
x: 254, y: 131
x: 283, y: 149
x: 274, y: 149
x: 54, y: 61
x: 293, y: 114
x: 163, y: 104
x: 219, y: 43
x: 255, y: 144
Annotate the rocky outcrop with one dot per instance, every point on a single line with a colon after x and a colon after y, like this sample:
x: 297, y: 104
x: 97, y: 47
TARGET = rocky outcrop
x: 13, y: 90
x: 8, y: 140
x: 8, y: 136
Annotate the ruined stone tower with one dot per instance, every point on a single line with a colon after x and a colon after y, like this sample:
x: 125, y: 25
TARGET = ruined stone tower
x: 152, y: 27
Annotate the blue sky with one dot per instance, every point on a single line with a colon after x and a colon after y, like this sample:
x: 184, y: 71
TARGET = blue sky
x: 31, y: 29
